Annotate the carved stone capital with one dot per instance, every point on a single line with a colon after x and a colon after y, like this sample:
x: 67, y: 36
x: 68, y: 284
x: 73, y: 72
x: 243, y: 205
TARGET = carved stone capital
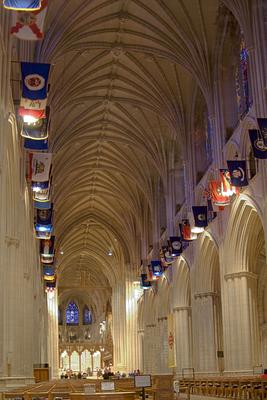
x: 241, y: 274
x: 205, y: 294
x: 181, y: 308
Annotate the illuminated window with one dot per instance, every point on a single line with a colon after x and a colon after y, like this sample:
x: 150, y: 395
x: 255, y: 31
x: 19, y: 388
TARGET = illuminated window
x: 87, y: 316
x: 72, y: 314
x: 242, y: 84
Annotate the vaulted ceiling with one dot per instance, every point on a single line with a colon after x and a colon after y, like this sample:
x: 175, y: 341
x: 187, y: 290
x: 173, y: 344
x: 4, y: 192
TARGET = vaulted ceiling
x: 123, y: 78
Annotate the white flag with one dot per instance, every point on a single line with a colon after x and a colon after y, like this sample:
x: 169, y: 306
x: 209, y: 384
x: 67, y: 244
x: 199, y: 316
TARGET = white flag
x: 29, y: 25
x: 40, y: 166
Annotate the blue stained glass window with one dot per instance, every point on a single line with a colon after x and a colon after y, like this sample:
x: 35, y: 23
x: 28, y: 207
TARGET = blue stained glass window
x: 72, y: 314
x: 242, y: 84
x: 87, y: 316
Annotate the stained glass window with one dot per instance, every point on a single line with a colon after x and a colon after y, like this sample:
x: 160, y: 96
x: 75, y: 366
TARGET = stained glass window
x: 72, y: 314
x: 242, y: 84
x: 87, y: 316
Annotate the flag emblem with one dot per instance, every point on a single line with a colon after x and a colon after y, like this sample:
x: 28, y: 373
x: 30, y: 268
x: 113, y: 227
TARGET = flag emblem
x: 34, y: 82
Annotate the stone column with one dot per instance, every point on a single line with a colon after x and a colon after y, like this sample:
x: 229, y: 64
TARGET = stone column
x: 132, y: 354
x: 140, y: 339
x: 92, y: 361
x: 183, y: 338
x: 240, y: 321
x: 52, y: 309
x: 163, y: 353
x: 119, y: 326
x: 204, y: 333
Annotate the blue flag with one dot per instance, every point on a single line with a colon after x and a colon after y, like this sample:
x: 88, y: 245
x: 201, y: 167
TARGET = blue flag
x: 44, y: 218
x: 238, y: 172
x: 257, y: 143
x: 156, y: 268
x: 39, y: 186
x: 262, y: 122
x: 49, y: 270
x: 42, y: 205
x: 36, y: 130
x: 176, y: 246
x: 22, y: 5
x: 34, y: 80
x: 200, y: 216
x: 145, y: 283
x: 41, y: 145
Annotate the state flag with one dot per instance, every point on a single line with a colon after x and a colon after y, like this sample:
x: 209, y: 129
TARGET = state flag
x: 238, y: 172
x: 144, y: 282
x: 29, y: 25
x: 157, y: 269
x: 42, y: 205
x: 47, y: 247
x: 22, y: 5
x: 216, y: 193
x: 200, y: 216
x: 262, y: 122
x: 185, y: 230
x: 35, y: 130
x: 257, y: 143
x: 37, y: 145
x: 34, y: 80
x: 40, y: 166
x: 176, y: 246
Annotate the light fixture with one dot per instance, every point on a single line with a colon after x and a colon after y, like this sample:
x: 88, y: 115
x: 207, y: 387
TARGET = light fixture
x: 197, y: 229
x: 110, y: 252
x: 29, y: 119
x: 61, y: 252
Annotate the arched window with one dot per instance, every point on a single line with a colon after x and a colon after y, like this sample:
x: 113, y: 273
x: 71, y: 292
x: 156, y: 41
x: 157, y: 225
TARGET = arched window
x: 242, y: 85
x: 87, y: 316
x: 72, y: 314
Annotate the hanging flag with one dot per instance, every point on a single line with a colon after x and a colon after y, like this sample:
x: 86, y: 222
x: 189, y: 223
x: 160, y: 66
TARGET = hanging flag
x: 36, y: 114
x: 185, y: 230
x: 217, y: 197
x: 29, y: 25
x: 44, y: 217
x: 40, y: 166
x: 22, y: 5
x: 34, y: 80
x: 39, y: 186
x: 145, y: 283
x: 227, y: 188
x: 47, y: 247
x: 257, y: 143
x: 211, y: 213
x: 42, y: 234
x: 156, y: 268
x: 47, y: 259
x: 200, y: 216
x: 41, y: 145
x: 171, y: 343
x: 42, y: 196
x: 30, y: 104
x: 42, y: 205
x: 238, y: 172
x: 49, y: 273
x: 176, y: 247
x: 165, y: 250
x: 262, y: 122
x: 36, y: 130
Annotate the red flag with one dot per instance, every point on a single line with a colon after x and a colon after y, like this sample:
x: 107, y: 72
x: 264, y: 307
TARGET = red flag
x: 216, y: 194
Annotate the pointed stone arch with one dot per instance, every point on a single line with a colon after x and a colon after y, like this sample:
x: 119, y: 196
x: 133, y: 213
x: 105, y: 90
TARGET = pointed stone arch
x: 244, y: 287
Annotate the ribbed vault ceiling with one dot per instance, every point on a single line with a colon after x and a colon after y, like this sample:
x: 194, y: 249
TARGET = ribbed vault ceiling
x: 123, y: 78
